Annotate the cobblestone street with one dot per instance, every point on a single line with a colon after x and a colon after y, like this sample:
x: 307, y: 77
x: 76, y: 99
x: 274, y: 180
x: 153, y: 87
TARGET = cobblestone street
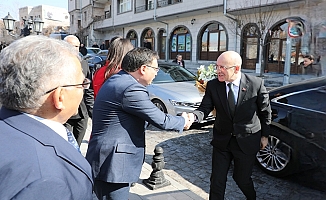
x: 188, y: 161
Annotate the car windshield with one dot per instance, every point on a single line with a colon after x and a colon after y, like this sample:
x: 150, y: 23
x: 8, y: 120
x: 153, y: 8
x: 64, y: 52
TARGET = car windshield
x: 173, y: 73
x: 102, y: 53
x: 95, y: 51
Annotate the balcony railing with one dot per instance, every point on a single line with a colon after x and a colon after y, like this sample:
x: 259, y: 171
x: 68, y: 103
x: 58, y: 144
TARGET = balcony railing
x: 150, y: 6
x: 107, y: 15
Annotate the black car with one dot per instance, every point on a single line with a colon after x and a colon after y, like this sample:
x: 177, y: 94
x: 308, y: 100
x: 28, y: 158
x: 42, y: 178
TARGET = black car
x: 297, y: 141
x: 97, y: 60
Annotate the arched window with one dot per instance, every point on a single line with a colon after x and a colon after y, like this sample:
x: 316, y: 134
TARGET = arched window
x: 132, y: 35
x: 276, y: 50
x: 161, y: 42
x: 181, y: 43
x: 213, y: 41
x: 147, y: 38
x: 250, y: 46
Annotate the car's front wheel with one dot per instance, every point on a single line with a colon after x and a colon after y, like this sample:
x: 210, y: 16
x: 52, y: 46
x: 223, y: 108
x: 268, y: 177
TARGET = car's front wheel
x: 275, y: 159
x: 160, y: 105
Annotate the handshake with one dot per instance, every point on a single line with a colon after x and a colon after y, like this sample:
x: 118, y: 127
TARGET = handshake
x: 189, y: 119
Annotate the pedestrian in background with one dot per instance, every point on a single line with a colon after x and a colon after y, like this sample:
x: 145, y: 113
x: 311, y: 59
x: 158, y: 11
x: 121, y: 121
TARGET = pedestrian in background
x: 311, y: 66
x: 179, y: 61
x: 103, y: 46
x: 117, y: 50
x: 241, y: 126
x: 121, y: 111
x: 95, y: 45
x: 77, y: 124
x: 83, y: 50
x: 40, y: 88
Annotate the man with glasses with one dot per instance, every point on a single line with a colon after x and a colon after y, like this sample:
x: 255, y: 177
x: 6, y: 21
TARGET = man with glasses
x: 40, y: 89
x: 241, y: 126
x: 122, y: 110
x: 77, y: 124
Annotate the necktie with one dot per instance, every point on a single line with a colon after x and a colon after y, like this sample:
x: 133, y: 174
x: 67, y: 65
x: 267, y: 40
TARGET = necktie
x: 72, y: 140
x: 231, y: 100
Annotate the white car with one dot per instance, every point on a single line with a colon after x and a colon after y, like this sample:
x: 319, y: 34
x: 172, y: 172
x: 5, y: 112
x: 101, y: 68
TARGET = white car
x: 173, y: 90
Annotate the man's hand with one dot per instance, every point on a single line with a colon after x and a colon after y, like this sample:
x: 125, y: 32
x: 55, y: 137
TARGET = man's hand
x: 263, y: 142
x: 189, y: 119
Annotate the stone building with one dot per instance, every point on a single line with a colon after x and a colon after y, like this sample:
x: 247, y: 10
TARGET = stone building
x: 201, y: 30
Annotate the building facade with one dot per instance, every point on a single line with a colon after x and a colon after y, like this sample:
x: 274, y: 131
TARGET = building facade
x: 55, y: 19
x: 201, y: 30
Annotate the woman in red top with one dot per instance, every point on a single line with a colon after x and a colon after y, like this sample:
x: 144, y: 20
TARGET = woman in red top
x: 117, y: 50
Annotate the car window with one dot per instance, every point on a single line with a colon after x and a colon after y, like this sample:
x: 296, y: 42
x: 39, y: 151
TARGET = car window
x: 102, y: 53
x: 173, y: 73
x: 310, y: 99
x: 95, y: 51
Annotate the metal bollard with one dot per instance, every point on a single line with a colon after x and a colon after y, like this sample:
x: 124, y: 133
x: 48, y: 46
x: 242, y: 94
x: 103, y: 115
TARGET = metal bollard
x: 157, y: 178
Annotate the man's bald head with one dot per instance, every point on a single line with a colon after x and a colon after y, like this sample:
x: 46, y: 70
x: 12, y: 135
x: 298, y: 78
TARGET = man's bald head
x: 231, y: 58
x: 73, y: 40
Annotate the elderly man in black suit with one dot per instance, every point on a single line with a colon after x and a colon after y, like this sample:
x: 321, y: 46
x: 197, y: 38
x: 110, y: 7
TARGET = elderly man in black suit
x: 241, y: 126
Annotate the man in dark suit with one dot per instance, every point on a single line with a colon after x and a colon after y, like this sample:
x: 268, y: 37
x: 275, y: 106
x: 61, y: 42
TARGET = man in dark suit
x: 77, y: 124
x: 179, y: 61
x: 103, y: 46
x: 121, y: 111
x: 39, y: 157
x: 241, y: 127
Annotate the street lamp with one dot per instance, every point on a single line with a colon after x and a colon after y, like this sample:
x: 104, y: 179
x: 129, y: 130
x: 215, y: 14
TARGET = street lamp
x: 38, y: 25
x: 9, y: 22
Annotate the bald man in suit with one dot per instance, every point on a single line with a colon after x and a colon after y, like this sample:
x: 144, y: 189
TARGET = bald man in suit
x: 241, y: 126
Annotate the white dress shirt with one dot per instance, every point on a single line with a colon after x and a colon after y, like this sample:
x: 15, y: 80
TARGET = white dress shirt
x: 55, y: 126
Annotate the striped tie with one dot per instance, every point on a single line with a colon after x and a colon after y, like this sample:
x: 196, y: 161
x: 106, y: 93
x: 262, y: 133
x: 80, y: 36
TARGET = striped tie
x: 72, y: 140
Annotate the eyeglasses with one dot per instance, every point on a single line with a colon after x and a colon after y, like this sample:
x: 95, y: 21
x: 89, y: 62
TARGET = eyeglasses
x: 223, y: 67
x: 155, y: 68
x: 85, y: 85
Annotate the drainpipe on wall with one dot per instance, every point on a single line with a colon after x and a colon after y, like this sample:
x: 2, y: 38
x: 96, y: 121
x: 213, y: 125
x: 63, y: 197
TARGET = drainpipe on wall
x: 81, y: 20
x: 234, y: 19
x: 167, y: 30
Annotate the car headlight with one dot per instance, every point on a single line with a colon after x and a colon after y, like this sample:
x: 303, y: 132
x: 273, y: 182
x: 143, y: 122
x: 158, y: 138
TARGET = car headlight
x: 182, y: 103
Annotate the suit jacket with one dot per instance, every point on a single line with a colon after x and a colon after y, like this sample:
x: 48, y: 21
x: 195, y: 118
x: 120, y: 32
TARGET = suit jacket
x: 37, y: 163
x: 251, y: 118
x: 116, y: 148
x: 182, y: 61
x: 85, y: 108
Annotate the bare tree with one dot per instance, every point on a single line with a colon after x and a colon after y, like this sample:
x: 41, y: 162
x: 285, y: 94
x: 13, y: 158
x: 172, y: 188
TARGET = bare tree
x: 254, y: 17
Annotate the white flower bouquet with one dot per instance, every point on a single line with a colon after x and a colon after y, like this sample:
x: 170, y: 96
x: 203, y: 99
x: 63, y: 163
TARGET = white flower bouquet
x: 204, y: 75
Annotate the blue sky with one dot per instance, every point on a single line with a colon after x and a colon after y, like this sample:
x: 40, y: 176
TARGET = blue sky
x: 13, y: 6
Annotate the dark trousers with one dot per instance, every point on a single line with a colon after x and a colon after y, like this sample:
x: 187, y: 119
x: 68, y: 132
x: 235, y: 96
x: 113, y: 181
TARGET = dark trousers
x: 78, y: 128
x: 111, y: 191
x: 243, y: 165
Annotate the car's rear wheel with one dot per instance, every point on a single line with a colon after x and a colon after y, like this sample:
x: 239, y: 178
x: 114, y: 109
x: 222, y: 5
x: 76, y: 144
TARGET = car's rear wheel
x: 275, y: 159
x: 160, y: 105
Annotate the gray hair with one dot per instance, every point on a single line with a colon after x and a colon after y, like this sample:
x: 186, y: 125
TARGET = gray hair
x: 31, y: 66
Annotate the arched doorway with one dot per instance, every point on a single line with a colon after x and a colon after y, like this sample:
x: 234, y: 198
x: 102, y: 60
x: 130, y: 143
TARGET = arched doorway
x: 213, y: 41
x: 147, y: 38
x: 276, y: 50
x: 132, y: 35
x: 181, y: 43
x: 250, y: 46
x: 161, y: 43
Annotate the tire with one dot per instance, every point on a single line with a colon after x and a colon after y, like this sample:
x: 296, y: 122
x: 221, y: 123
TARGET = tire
x: 160, y: 105
x: 277, y: 158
